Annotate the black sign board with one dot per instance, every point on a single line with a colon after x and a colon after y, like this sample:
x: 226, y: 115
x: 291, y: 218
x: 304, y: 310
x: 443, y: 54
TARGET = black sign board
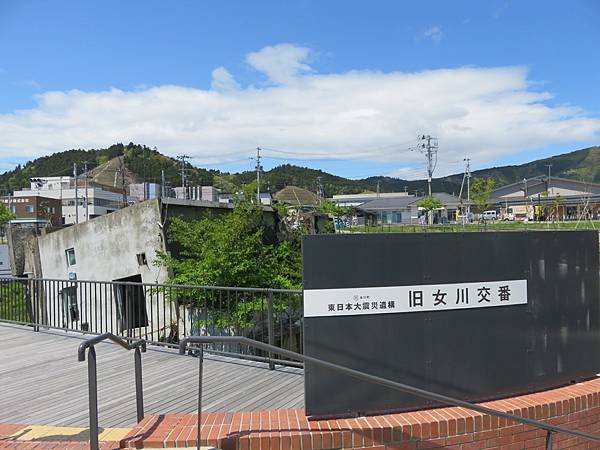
x: 472, y: 315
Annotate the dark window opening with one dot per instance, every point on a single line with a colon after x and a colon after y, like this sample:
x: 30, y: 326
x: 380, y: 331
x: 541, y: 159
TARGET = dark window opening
x: 130, y: 304
x: 141, y: 259
x: 70, y: 254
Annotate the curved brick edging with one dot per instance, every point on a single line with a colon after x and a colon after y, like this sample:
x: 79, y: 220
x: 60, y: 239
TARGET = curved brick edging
x: 576, y: 406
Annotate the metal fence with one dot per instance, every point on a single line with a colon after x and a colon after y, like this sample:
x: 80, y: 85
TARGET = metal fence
x: 161, y: 314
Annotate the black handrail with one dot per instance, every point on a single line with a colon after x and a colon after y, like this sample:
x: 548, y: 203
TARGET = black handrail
x: 141, y: 343
x: 137, y: 345
x: 374, y: 379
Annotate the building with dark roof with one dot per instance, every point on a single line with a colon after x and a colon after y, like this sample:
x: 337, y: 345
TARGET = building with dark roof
x: 297, y: 196
x: 535, y: 198
x: 405, y: 209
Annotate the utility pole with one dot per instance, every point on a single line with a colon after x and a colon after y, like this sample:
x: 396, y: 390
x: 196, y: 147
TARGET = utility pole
x: 162, y: 183
x: 123, y: 181
x: 429, y: 147
x: 76, y: 195
x: 258, y: 168
x: 320, y: 192
x: 468, y: 161
x: 87, y: 206
x: 182, y: 158
x: 549, y: 166
x: 377, y: 188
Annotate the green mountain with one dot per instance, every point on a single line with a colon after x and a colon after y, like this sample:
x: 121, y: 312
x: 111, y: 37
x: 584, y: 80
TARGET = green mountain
x: 136, y: 163
x: 110, y: 166
x: 579, y: 165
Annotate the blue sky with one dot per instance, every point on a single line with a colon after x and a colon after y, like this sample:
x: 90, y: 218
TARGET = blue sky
x: 340, y: 85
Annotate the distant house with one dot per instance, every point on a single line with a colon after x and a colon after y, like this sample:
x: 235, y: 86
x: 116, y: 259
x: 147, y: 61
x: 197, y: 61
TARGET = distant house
x: 144, y: 191
x: 34, y: 210
x: 405, y: 210
x: 359, y: 199
x: 530, y: 198
x: 204, y: 193
x: 80, y: 200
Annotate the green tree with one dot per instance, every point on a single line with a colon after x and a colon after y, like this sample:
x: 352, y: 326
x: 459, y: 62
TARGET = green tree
x: 429, y: 203
x: 233, y: 250
x: 481, y: 188
x: 332, y: 209
x: 5, y: 214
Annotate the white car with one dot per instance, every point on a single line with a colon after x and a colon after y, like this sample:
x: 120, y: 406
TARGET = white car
x: 489, y: 215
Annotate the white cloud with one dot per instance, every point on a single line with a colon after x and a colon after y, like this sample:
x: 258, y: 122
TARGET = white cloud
x: 483, y: 113
x: 222, y: 80
x: 32, y: 84
x: 435, y: 34
x: 281, y: 63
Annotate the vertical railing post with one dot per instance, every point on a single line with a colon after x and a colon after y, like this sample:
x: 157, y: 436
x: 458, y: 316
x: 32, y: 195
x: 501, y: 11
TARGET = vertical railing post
x: 549, y: 440
x: 93, y: 398
x: 199, y: 414
x: 270, y: 328
x: 36, y: 307
x: 139, y: 391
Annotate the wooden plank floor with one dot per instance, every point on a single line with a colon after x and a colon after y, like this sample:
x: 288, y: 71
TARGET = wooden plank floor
x: 41, y: 382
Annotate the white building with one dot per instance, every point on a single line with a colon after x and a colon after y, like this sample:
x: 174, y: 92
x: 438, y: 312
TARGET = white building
x: 359, y: 199
x: 93, y: 200
x: 204, y: 193
x: 144, y: 191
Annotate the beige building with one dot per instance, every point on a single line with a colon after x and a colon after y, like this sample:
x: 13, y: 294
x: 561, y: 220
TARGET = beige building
x: 539, y: 197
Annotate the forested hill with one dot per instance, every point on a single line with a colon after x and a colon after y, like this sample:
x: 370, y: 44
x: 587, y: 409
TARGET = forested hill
x: 138, y: 163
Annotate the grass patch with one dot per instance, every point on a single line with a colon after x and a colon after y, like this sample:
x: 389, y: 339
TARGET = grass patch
x: 474, y: 227
x: 13, y: 303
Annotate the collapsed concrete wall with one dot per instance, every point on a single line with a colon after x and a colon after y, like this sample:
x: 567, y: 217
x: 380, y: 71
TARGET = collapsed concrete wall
x: 24, y: 251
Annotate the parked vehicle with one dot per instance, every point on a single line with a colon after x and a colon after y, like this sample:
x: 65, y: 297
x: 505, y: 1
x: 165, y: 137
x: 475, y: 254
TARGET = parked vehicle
x: 489, y: 215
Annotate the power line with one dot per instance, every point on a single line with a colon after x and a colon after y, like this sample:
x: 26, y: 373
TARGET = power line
x: 299, y: 154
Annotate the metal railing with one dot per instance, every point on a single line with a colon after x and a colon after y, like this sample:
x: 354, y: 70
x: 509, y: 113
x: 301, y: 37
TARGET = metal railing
x: 443, y: 399
x: 89, y: 345
x: 160, y: 314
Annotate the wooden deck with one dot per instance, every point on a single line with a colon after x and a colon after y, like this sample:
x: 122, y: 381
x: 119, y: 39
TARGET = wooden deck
x: 41, y: 382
